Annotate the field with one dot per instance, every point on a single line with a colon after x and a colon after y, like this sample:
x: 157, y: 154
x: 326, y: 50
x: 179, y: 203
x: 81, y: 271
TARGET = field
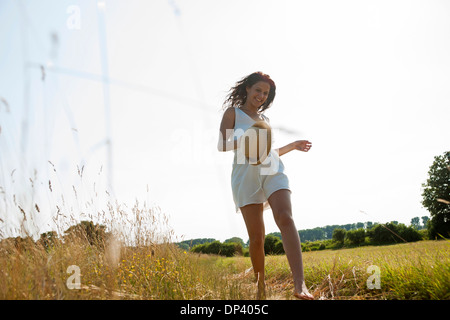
x: 132, y: 255
x: 80, y: 270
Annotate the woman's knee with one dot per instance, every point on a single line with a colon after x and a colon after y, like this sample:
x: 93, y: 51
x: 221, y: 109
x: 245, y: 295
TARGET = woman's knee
x: 284, y: 219
x: 257, y: 241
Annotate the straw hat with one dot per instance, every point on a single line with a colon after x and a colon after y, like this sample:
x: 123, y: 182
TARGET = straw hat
x: 256, y: 142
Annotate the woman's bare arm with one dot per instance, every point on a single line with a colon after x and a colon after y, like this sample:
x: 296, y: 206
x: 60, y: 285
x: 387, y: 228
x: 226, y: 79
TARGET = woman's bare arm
x: 226, y: 131
x: 302, y: 145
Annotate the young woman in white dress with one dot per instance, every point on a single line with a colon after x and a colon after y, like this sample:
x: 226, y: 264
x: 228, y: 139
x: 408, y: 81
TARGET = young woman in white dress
x: 253, y: 186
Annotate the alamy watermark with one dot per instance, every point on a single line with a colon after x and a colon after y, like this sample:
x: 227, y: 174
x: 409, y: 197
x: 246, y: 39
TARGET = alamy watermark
x: 74, y: 281
x: 193, y: 146
x: 73, y: 21
x: 374, y: 280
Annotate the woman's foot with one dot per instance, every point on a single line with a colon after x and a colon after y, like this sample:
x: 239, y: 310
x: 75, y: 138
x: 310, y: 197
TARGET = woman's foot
x: 303, y: 293
x: 304, y: 296
x: 261, y: 291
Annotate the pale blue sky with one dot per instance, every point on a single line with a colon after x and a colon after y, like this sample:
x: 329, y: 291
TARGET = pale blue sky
x: 367, y: 82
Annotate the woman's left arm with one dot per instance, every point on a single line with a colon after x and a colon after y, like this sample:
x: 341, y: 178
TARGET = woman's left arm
x: 302, y: 145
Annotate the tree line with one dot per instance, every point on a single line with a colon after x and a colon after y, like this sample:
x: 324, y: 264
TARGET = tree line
x: 326, y: 233
x: 328, y: 237
x: 93, y: 234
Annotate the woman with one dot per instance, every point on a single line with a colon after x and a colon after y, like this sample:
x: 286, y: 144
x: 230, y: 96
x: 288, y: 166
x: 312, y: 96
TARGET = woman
x: 253, y: 186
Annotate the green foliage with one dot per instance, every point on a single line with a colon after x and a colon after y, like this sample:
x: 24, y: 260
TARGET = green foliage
x: 357, y: 236
x: 312, y: 234
x: 339, y: 235
x: 348, y: 235
x: 95, y: 234
x: 393, y: 233
x: 317, y: 245
x: 380, y: 234
x: 235, y: 240
x: 409, y: 234
x: 436, y: 196
x: 216, y: 247
x: 188, y: 244
x: 415, y: 223
x: 273, y: 245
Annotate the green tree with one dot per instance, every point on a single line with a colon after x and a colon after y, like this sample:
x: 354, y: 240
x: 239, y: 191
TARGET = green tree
x: 415, y: 223
x: 235, y: 240
x: 193, y: 242
x: 216, y: 247
x: 231, y: 249
x: 213, y: 247
x: 356, y: 236
x: 409, y: 234
x: 94, y: 234
x: 359, y: 225
x: 436, y: 196
x: 273, y: 245
x: 384, y: 234
x: 425, y: 220
x: 339, y: 235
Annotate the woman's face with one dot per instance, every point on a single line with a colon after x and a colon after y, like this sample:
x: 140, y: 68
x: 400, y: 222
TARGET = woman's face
x: 258, y: 93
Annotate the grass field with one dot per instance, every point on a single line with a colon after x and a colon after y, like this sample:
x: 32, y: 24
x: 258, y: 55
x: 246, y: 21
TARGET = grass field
x: 141, y: 261
x: 419, y: 270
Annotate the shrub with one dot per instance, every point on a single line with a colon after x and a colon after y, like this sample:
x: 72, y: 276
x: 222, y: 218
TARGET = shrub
x: 357, y: 236
x: 339, y: 235
x: 410, y: 234
x: 273, y: 245
x: 383, y: 234
x: 216, y: 247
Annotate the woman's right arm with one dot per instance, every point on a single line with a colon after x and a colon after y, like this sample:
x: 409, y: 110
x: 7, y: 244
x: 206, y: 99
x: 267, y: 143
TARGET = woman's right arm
x: 226, y: 131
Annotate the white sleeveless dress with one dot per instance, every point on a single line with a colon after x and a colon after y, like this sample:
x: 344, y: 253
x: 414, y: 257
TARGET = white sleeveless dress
x: 254, y: 184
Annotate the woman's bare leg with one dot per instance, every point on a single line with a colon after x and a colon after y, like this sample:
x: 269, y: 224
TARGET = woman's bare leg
x: 253, y: 217
x: 280, y: 202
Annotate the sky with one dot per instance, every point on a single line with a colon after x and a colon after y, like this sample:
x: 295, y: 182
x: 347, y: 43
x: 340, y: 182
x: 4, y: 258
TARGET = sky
x: 126, y: 97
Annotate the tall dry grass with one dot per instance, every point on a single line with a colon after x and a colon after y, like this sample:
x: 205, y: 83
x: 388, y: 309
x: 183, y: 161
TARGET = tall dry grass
x: 144, y: 265
x: 137, y: 259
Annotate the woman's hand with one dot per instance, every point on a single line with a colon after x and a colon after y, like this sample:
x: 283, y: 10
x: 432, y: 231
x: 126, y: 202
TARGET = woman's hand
x: 302, y: 145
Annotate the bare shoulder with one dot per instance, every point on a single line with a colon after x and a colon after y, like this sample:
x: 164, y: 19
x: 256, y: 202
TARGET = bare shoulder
x: 229, y: 113
x: 228, y: 119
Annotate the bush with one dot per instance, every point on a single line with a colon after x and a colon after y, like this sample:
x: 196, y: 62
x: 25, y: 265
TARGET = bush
x: 95, y: 234
x: 315, y: 245
x: 380, y: 234
x: 231, y: 249
x: 216, y: 247
x: 339, y: 235
x: 357, y: 236
x: 273, y: 245
x: 393, y: 233
x: 410, y: 234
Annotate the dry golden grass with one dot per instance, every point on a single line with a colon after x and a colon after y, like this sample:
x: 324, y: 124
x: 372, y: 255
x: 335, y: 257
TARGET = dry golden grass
x: 407, y: 271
